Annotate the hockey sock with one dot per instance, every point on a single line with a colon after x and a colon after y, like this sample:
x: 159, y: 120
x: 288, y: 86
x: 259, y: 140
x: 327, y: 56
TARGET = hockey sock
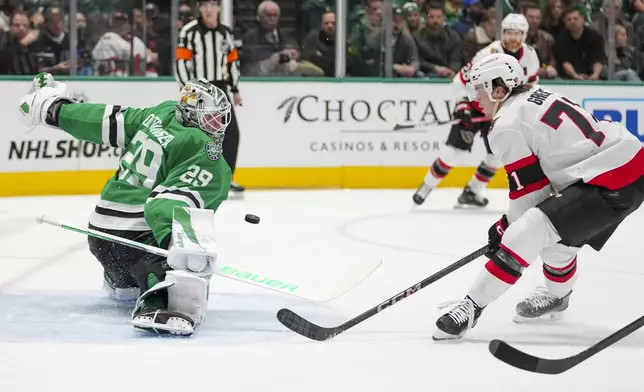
x: 484, y: 173
x: 501, y: 272
x: 437, y: 172
x: 560, y: 280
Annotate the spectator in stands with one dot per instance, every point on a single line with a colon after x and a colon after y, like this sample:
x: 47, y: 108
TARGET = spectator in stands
x: 37, y: 18
x: 85, y: 66
x: 452, y: 8
x: 472, y: 15
x: 6, y: 10
x: 113, y: 54
x: 159, y: 44
x: 367, y: 26
x: 405, y: 54
x: 440, y: 49
x: 268, y: 51
x: 579, y: 50
x: 542, y: 41
x: 185, y: 15
x: 52, y: 45
x: 17, y: 58
x: 553, y: 17
x: 319, y: 46
x: 480, y: 36
x: 600, y: 20
x: 415, y: 22
x: 627, y: 61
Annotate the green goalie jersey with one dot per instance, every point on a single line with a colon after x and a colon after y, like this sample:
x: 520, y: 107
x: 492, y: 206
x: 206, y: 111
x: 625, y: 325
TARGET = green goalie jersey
x: 164, y: 165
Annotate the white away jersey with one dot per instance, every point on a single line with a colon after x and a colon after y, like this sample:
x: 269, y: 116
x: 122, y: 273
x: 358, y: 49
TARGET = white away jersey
x: 544, y: 139
x: 527, y: 57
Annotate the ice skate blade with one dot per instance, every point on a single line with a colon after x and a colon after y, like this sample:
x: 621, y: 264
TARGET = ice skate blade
x: 235, y: 195
x: 460, y: 206
x: 440, y: 336
x: 122, y: 295
x: 175, y: 326
x: 546, y: 318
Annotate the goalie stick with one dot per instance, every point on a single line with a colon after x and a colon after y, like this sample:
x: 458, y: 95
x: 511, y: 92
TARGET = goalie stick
x: 359, y: 270
x: 301, y: 326
x: 531, y: 363
x: 399, y: 127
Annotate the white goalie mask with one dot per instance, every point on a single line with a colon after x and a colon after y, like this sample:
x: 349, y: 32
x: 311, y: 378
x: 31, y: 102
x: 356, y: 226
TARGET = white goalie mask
x: 202, y: 105
x: 495, y: 66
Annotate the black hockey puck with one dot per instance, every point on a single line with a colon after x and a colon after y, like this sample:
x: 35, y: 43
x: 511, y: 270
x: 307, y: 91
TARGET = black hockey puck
x: 250, y: 218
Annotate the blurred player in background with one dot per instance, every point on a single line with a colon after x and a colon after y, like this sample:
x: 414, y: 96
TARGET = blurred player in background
x: 547, y: 143
x: 472, y: 120
x: 171, y: 178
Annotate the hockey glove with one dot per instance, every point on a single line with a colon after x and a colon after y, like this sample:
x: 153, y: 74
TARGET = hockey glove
x: 35, y: 107
x: 463, y: 113
x: 495, y: 235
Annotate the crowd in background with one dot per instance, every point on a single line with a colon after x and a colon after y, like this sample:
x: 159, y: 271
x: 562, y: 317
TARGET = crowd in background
x: 431, y: 38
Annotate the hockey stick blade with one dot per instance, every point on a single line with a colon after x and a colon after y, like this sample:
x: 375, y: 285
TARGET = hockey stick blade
x: 531, y: 363
x: 399, y: 127
x: 301, y: 326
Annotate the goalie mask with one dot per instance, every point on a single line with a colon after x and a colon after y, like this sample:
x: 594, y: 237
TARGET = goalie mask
x: 202, y: 105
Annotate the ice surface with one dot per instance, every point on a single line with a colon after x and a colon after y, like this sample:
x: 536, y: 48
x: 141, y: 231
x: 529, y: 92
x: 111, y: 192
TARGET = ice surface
x: 59, y: 332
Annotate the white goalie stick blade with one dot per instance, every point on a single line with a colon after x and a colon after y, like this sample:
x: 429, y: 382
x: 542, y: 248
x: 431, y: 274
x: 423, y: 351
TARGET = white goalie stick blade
x: 297, y: 276
x: 308, y: 286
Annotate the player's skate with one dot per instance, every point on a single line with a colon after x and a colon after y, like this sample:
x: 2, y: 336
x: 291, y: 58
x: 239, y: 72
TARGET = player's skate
x: 541, y: 305
x: 421, y: 193
x: 470, y: 199
x: 236, y: 191
x: 454, y: 324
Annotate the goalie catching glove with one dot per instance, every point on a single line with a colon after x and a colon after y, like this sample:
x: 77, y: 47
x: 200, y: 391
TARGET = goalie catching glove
x: 177, y: 305
x: 41, y: 105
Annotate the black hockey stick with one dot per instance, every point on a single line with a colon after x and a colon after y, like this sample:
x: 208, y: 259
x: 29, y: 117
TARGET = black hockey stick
x: 399, y: 127
x: 306, y: 328
x: 530, y: 363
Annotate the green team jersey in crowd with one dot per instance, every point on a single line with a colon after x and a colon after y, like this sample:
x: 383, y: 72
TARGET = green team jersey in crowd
x: 164, y: 165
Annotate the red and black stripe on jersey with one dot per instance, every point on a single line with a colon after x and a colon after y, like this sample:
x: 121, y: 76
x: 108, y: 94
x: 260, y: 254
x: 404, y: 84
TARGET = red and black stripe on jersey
x: 525, y: 176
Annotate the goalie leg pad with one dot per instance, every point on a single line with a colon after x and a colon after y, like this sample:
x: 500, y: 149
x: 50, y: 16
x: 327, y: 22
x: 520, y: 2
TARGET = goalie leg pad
x: 193, y: 247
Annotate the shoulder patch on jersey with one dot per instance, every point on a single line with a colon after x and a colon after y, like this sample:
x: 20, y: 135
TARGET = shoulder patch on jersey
x: 213, y: 150
x: 493, y: 50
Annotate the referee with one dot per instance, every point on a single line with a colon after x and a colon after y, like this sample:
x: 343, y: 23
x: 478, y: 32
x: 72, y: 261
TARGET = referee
x: 206, y: 49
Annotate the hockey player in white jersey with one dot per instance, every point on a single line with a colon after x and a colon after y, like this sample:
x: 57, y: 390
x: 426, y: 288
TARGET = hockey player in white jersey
x: 471, y: 119
x: 573, y: 180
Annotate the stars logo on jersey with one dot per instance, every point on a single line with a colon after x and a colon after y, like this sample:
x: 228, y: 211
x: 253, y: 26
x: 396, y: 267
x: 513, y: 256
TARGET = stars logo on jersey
x: 213, y: 150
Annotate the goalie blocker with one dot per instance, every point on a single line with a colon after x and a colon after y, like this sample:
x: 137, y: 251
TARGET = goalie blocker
x: 172, y: 293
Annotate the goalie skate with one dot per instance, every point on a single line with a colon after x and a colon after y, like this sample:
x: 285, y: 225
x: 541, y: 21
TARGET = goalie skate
x: 541, y: 306
x: 151, y: 314
x: 163, y: 322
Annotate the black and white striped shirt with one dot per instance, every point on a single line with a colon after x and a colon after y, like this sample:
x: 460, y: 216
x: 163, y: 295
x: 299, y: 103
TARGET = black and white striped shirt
x: 207, y: 53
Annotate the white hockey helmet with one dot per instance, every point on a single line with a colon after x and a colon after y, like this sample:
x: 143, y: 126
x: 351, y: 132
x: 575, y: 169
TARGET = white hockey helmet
x: 203, y: 105
x: 515, y: 22
x: 490, y: 68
